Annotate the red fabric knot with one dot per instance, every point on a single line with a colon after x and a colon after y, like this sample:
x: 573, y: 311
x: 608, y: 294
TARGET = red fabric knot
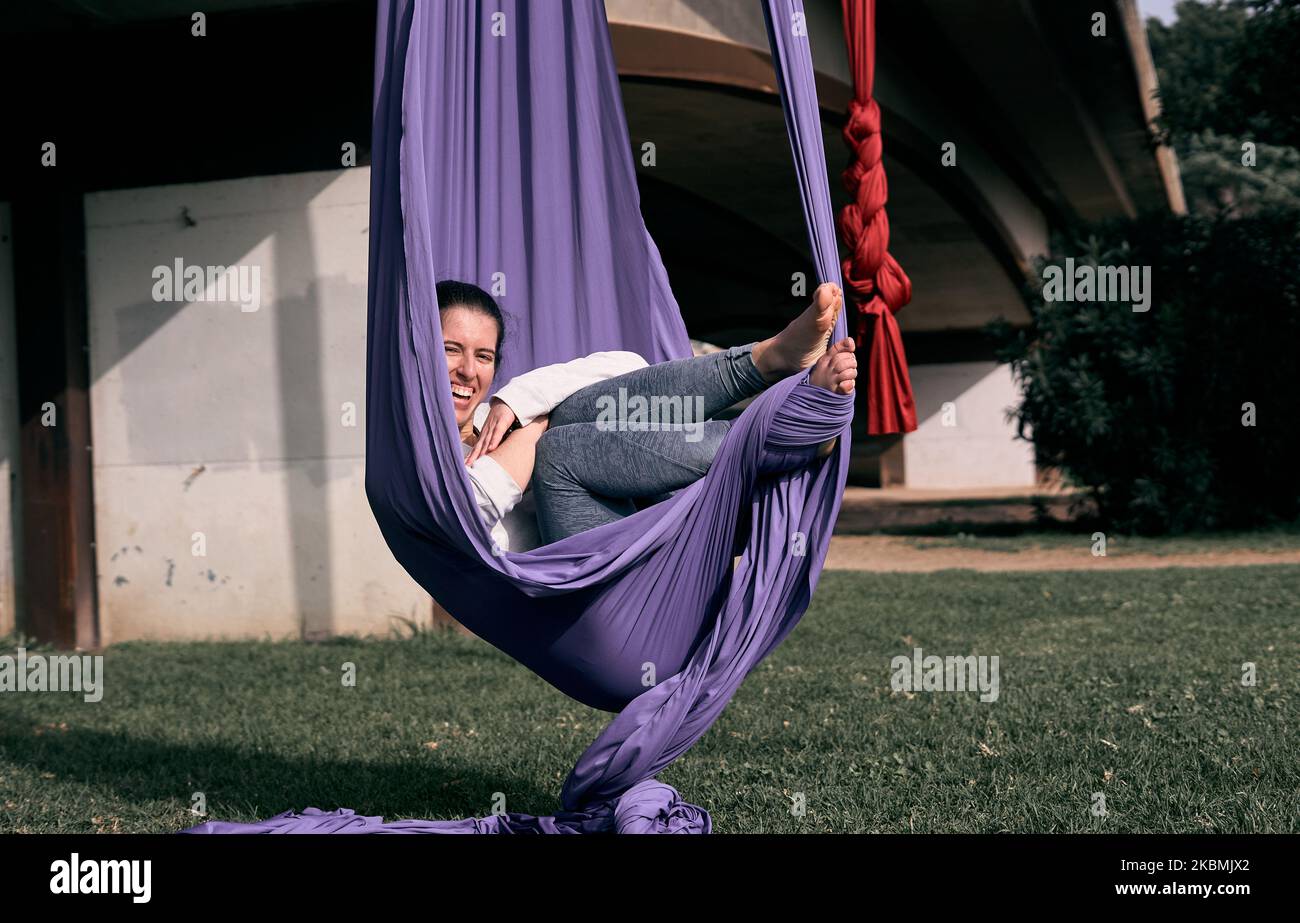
x: 873, y: 279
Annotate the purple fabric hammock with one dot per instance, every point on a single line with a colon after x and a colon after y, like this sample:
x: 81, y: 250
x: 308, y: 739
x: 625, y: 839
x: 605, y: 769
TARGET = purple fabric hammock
x: 510, y: 154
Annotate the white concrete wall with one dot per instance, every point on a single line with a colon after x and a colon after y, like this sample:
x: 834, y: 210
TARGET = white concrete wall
x: 230, y: 425
x: 969, y: 444
x: 10, y: 522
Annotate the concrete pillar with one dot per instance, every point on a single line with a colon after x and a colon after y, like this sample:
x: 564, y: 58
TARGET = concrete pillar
x: 10, y: 522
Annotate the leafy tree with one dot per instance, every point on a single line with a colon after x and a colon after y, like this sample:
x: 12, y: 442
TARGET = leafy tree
x: 1217, y: 182
x: 1182, y: 417
x: 1194, y: 59
x: 1229, y: 66
x: 1264, y: 83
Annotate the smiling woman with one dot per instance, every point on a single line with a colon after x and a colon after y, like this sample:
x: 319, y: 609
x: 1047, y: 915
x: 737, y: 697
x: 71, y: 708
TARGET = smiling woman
x: 500, y: 445
x: 473, y: 329
x: 590, y: 470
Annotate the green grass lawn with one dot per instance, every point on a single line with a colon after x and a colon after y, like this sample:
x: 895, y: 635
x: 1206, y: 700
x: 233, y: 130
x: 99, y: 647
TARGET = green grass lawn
x: 1012, y: 538
x: 1127, y: 683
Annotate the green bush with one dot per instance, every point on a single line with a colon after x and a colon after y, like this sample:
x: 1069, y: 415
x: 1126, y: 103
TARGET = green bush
x: 1146, y: 409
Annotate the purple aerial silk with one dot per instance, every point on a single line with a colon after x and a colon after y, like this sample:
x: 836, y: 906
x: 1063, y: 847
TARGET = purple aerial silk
x: 510, y: 154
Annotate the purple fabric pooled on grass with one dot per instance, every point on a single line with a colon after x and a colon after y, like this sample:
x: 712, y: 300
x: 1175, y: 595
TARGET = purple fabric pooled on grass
x: 510, y: 155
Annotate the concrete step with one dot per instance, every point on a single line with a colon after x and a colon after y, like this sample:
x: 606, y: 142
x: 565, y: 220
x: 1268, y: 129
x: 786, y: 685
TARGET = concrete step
x: 876, y: 509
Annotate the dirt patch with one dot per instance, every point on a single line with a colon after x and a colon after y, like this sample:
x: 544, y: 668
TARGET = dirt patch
x: 896, y: 553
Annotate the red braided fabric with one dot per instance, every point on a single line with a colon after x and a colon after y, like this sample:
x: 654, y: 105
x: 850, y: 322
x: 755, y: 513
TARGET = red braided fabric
x: 873, y: 280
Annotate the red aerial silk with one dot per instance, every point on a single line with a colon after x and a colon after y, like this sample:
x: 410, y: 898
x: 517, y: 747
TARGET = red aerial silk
x: 873, y: 278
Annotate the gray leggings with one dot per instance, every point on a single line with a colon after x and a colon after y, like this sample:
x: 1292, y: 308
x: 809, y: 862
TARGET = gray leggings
x: 600, y: 459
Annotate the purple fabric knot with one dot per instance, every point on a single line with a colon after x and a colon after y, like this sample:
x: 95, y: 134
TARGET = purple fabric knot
x: 656, y: 807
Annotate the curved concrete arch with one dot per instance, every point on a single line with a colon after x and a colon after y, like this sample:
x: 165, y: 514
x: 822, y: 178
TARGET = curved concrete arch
x: 683, y: 74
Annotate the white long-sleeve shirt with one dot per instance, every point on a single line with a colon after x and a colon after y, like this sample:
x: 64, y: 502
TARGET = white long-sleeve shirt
x: 502, y: 503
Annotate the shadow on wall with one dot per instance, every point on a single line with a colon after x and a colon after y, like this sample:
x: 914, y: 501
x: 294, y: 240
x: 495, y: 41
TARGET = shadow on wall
x: 202, y: 383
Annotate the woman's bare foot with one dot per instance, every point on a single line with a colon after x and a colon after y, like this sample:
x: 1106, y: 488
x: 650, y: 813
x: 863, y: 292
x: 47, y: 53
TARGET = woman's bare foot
x: 803, y: 341
x: 837, y: 370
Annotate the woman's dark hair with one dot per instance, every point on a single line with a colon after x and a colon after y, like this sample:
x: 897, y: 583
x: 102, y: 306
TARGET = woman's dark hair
x: 453, y: 294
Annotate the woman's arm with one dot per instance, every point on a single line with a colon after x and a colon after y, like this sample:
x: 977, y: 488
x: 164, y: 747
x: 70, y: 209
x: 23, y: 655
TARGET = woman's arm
x: 543, y: 389
x: 495, y: 491
x: 532, y: 394
x: 497, y: 479
x: 518, y: 451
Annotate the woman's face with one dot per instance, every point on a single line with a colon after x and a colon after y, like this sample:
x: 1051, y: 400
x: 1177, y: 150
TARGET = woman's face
x: 470, y: 340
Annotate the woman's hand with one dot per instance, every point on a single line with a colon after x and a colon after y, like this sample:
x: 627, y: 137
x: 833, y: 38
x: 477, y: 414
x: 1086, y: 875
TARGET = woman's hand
x: 499, y: 420
x: 518, y: 451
